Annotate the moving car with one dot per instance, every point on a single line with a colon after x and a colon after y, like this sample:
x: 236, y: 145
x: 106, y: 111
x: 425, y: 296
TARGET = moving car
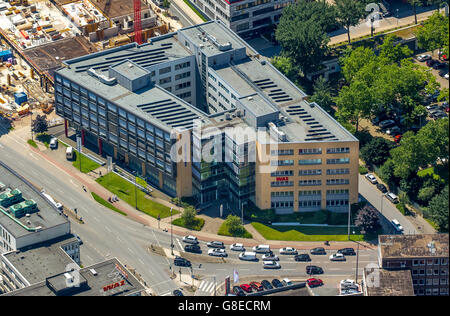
x: 217, y: 252
x: 286, y: 282
x: 314, y: 270
x: 271, y: 265
x: 277, y: 283
x: 181, y: 262
x: 337, y: 257
x: 424, y: 57
x: 313, y: 282
x: 53, y: 143
x: 237, y: 247
x: 381, y: 187
x: 238, y: 291
x: 261, y: 249
x: 216, y: 244
x: 386, y: 123
x: 318, y: 251
x: 177, y: 293
x: 371, y: 178
x: 190, y: 239
x: 266, y: 285
x: 347, y: 251
x: 270, y: 257
x: 288, y: 251
x: 257, y: 286
x: 392, y: 197
x: 193, y: 248
x: 247, y: 288
x: 397, y: 225
x: 302, y: 257
x: 248, y: 256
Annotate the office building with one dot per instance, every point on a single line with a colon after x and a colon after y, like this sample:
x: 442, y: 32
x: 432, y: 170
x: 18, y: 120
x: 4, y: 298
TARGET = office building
x: 199, y: 113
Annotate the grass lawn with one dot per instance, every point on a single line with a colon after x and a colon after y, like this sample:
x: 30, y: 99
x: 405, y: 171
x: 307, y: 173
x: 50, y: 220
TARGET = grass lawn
x: 195, y: 10
x: 87, y: 164
x: 107, y: 204
x: 438, y: 172
x: 223, y: 231
x: 32, y: 143
x: 199, y: 222
x: 305, y: 233
x: 126, y: 192
x: 44, y: 138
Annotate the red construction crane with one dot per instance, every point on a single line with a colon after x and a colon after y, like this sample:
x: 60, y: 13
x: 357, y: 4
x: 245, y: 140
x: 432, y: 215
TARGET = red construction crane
x: 137, y: 22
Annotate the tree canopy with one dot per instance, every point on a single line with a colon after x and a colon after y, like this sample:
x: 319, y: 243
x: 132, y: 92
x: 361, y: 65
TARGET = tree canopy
x: 39, y: 124
x: 434, y: 34
x: 349, y: 13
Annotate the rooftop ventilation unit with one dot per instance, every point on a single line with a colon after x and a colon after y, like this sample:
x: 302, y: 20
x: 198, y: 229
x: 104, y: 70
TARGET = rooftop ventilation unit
x: 94, y: 273
x: 68, y: 277
x: 280, y: 135
x: 106, y: 80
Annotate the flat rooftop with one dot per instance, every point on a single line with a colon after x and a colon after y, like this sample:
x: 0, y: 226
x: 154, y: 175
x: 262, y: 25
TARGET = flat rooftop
x: 413, y: 246
x: 107, y: 278
x: 390, y: 283
x: 38, y: 262
x: 46, y: 217
x: 49, y: 57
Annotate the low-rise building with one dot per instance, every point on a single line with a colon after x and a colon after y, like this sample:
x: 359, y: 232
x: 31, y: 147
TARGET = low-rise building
x: 425, y: 256
x: 381, y: 282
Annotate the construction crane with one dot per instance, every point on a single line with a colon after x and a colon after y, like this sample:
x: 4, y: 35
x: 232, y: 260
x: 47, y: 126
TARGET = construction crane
x: 137, y: 22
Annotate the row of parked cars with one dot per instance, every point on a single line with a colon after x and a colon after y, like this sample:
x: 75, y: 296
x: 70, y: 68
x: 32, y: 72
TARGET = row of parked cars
x: 389, y: 195
x: 264, y: 285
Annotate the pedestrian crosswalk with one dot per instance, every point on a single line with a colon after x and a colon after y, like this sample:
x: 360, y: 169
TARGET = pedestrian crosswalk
x: 206, y: 286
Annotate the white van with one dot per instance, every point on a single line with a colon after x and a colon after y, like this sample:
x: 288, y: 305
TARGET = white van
x: 247, y: 256
x: 397, y: 225
x: 53, y: 143
x: 261, y: 249
x: 69, y: 153
x: 392, y: 197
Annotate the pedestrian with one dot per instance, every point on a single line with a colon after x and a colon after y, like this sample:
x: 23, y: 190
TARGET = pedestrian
x: 100, y: 173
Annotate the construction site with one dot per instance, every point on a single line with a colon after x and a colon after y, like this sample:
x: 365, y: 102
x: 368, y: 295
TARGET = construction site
x: 37, y: 36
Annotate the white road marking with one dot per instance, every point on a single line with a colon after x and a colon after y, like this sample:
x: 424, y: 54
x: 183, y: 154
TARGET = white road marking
x: 141, y: 261
x: 32, y: 156
x: 165, y: 294
x: 130, y: 250
x: 107, y: 228
x: 179, y: 243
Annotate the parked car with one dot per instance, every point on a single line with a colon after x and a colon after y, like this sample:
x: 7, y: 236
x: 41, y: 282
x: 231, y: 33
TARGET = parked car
x: 271, y: 265
x: 394, y: 130
x: 181, y: 262
x: 347, y: 251
x: 431, y: 62
x: 392, y: 197
x: 177, y: 293
x: 80, y: 242
x: 438, y: 65
x: 277, y: 283
x: 257, y: 286
x: 288, y: 251
x: 424, y: 57
x: 247, y: 288
x: 337, y: 257
x: 302, y: 257
x: 314, y: 270
x: 237, y: 247
x: 382, y: 187
x: 193, y: 248
x: 286, y: 282
x: 443, y: 72
x: 215, y: 244
x: 217, y: 252
x: 432, y: 107
x: 53, y: 143
x: 190, y: 239
x: 270, y: 257
x: 318, y: 251
x: 313, y: 282
x: 397, y: 138
x: 266, y: 284
x: 347, y: 282
x: 248, y: 256
x: 439, y: 115
x: 371, y: 178
x: 397, y: 225
x: 238, y: 291
x: 446, y: 76
x: 386, y: 123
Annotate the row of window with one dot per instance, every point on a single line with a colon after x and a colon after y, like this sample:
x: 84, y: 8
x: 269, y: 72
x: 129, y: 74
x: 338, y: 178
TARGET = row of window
x: 430, y: 272
x: 436, y: 261
x: 309, y: 172
x: 308, y: 193
x: 309, y: 182
x: 309, y: 151
x: 309, y: 203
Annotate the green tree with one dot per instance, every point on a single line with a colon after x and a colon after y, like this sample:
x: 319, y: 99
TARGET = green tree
x: 304, y: 41
x: 39, y: 124
x: 387, y: 173
x: 426, y: 194
x: 235, y: 227
x: 188, y: 216
x: 434, y: 34
x: 391, y: 52
x: 322, y: 95
x: 354, y: 102
x: 376, y: 151
x: 285, y: 66
x: 166, y: 4
x: 438, y: 210
x: 349, y: 13
x: 367, y: 220
x: 354, y: 61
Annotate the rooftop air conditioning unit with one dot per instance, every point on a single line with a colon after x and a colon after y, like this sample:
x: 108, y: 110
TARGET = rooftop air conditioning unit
x: 94, y: 273
x: 250, y: 98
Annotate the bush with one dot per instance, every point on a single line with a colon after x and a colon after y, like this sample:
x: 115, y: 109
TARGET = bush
x: 197, y: 224
x: 364, y: 137
x: 362, y: 170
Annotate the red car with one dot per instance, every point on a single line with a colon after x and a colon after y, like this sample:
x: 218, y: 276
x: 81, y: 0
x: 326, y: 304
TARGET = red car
x: 397, y: 138
x: 247, y: 288
x: 314, y: 282
x: 257, y: 286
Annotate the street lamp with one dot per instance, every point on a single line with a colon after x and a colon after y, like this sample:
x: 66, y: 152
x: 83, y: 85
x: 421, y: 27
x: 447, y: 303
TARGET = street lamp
x: 349, y: 215
x: 372, y: 19
x: 135, y: 189
x: 171, y: 231
x: 397, y: 16
x: 357, y: 259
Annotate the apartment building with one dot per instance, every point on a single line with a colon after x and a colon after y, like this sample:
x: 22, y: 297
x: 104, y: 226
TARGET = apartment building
x: 425, y: 256
x: 248, y: 18
x: 199, y: 113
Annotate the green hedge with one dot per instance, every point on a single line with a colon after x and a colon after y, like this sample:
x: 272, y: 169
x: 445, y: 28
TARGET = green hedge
x: 223, y: 231
x: 107, y: 204
x: 32, y: 143
x: 198, y: 225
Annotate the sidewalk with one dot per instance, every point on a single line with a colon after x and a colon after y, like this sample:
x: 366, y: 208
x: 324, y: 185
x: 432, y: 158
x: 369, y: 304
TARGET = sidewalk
x: 188, y: 11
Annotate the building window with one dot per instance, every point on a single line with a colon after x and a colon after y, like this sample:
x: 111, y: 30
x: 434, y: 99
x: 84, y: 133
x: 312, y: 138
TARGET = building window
x: 310, y: 162
x: 164, y: 70
x: 282, y: 162
x: 310, y: 151
x: 310, y: 172
x: 338, y: 150
x: 338, y: 161
x: 309, y: 182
